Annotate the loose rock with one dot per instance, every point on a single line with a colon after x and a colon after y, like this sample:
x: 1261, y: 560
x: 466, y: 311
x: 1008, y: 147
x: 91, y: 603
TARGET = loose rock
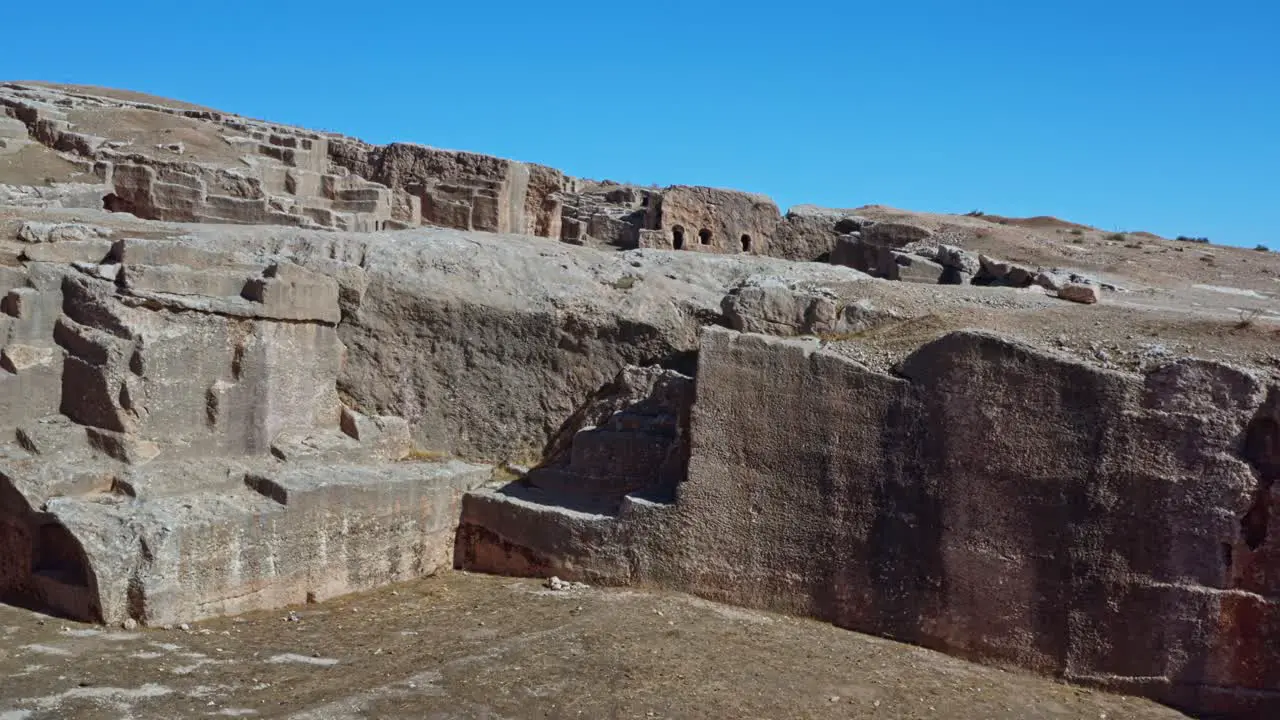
x: 1075, y: 292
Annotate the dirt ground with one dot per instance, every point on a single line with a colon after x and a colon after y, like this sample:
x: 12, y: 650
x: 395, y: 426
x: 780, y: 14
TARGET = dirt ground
x: 144, y: 130
x: 35, y: 164
x: 472, y: 646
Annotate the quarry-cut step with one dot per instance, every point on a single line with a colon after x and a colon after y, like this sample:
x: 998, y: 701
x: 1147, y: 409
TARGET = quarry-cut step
x: 515, y: 531
x: 282, y: 534
x: 913, y: 436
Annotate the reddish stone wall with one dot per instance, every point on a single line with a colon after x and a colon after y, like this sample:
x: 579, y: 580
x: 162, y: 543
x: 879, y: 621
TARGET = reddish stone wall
x: 990, y: 500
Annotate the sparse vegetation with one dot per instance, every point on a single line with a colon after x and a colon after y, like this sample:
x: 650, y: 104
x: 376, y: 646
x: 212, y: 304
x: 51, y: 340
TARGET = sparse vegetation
x: 835, y: 337
x: 420, y: 455
x: 626, y: 282
x: 1185, y: 238
x: 1261, y: 248
x: 974, y: 213
x: 505, y: 474
x: 1117, y: 237
x: 1247, y: 318
x: 1077, y: 232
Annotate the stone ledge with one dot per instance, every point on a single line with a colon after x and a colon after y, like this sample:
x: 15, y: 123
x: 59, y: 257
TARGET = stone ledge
x: 318, y: 531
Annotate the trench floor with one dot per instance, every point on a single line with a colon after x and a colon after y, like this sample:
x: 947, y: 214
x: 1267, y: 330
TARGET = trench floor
x: 471, y: 646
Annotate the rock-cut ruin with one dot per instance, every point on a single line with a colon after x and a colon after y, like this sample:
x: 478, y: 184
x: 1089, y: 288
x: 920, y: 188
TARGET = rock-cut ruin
x: 244, y: 366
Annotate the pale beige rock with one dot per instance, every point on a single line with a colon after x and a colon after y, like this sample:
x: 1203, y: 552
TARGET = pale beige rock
x: 226, y: 419
x: 68, y: 251
x: 776, y: 306
x: 38, y: 232
x: 386, y: 436
x: 183, y: 280
x: 17, y: 358
x: 289, y: 292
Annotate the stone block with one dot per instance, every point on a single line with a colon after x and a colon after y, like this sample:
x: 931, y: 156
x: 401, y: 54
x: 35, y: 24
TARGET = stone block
x: 894, y: 234
x: 952, y: 257
x: 69, y: 251
x: 12, y: 277
x: 352, y: 281
x: 20, y: 358
x: 913, y: 268
x: 20, y: 302
x: 138, y: 251
x: 284, y: 536
x: 992, y: 271
x: 30, y: 383
x: 1051, y: 281
x: 53, y: 436
x: 42, y: 232
x: 13, y: 128
x: 90, y: 396
x: 315, y: 445
x: 385, y: 436
x: 183, y: 280
x: 34, y: 312
x: 874, y: 259
x: 979, y: 457
x: 290, y: 292
x: 123, y: 447
x: 1075, y: 292
x: 446, y: 212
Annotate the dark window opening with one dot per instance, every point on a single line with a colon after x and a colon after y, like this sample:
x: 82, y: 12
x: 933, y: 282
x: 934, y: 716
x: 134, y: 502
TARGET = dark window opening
x: 57, y: 553
x: 746, y: 243
x: 114, y: 203
x: 677, y: 237
x: 704, y: 236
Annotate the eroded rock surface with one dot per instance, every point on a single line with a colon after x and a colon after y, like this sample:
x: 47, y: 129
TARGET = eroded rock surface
x: 1091, y: 507
x: 230, y: 421
x: 446, y: 317
x: 236, y: 373
x: 176, y: 447
x: 195, y: 165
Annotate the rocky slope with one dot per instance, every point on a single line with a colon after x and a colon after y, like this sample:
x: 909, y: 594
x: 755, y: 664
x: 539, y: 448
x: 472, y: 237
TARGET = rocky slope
x: 245, y: 365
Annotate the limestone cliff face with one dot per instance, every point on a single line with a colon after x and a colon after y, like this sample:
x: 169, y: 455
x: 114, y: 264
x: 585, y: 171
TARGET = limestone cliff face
x: 989, y: 499
x: 219, y: 423
x: 462, y: 190
x: 446, y: 318
x: 232, y: 169
x: 198, y: 419
x: 173, y: 445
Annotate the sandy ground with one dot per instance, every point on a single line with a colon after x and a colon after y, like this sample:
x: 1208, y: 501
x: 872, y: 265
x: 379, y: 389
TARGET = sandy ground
x: 145, y: 129
x: 35, y: 164
x: 472, y: 646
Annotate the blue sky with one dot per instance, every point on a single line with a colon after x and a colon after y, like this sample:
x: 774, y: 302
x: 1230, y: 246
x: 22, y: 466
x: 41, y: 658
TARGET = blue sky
x: 1128, y: 114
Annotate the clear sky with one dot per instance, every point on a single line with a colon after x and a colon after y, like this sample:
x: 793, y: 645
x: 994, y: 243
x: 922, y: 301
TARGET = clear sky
x: 1126, y: 114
